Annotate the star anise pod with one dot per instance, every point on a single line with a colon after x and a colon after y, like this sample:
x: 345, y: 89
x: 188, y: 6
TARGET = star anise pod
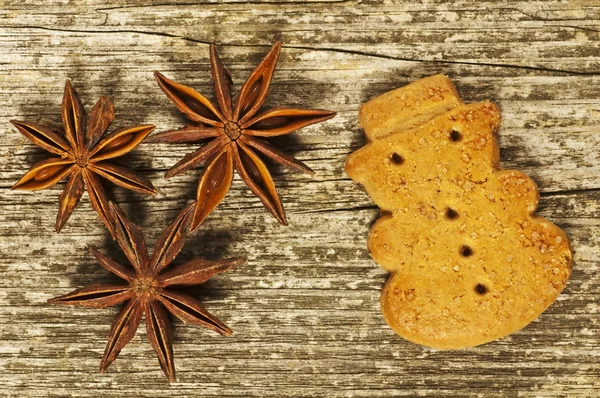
x: 83, y: 152
x: 149, y: 290
x: 234, y: 135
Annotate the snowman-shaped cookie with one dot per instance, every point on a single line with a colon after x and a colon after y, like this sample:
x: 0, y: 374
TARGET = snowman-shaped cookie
x: 469, y: 260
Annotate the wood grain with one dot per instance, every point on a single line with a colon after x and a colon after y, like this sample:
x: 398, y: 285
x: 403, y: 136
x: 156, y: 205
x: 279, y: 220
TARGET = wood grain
x: 305, y: 307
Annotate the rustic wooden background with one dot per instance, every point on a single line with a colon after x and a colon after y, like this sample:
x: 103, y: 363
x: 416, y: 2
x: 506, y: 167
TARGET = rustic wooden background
x: 304, y: 309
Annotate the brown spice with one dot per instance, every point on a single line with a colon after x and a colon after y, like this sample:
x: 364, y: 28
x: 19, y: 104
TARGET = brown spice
x: 83, y: 153
x: 236, y: 135
x: 149, y: 290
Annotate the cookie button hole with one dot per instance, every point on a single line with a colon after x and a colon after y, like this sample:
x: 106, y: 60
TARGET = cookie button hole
x: 397, y: 158
x: 481, y: 289
x: 455, y: 136
x: 451, y: 214
x: 466, y: 251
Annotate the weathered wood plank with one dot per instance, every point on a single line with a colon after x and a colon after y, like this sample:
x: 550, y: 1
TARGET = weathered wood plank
x: 305, y: 307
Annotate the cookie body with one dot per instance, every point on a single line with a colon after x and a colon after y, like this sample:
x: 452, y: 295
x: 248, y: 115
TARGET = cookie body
x: 469, y: 260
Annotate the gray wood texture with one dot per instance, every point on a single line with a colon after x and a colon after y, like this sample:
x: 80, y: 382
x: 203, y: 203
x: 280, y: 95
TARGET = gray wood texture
x: 305, y: 307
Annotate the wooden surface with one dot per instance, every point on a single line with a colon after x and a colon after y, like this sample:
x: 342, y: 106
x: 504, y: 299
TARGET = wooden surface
x: 304, y: 309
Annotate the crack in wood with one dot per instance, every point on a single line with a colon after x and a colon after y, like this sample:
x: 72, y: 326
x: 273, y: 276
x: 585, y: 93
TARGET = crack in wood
x: 569, y: 192
x: 327, y: 49
x: 580, y: 28
x: 439, y: 61
x: 220, y: 3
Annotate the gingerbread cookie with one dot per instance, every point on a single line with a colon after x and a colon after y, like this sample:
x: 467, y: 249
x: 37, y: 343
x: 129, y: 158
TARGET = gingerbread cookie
x: 469, y: 260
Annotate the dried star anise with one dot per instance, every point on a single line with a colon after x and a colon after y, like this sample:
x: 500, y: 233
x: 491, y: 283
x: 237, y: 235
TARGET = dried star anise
x: 83, y: 152
x: 234, y: 133
x: 150, y: 291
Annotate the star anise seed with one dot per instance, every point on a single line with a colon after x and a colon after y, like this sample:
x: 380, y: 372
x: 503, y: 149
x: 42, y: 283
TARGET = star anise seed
x: 236, y: 135
x: 83, y: 153
x: 150, y: 289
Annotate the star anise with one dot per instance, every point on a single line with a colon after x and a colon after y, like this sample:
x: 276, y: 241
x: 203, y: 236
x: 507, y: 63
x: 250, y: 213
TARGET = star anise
x: 83, y: 152
x: 234, y: 133
x: 150, y: 291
